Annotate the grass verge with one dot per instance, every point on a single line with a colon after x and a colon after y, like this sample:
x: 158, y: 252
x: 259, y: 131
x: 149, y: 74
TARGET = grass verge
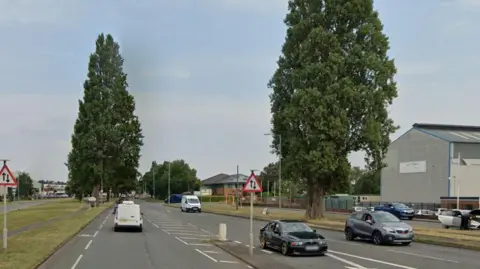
x: 40, y: 213
x: 31, y: 248
x: 434, y: 236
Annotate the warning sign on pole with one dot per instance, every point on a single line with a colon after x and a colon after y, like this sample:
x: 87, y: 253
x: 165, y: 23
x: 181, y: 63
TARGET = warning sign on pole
x: 252, y: 184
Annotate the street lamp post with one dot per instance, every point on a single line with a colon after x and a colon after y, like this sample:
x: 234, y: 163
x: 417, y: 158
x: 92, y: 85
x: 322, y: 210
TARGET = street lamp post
x: 279, y: 169
x: 169, y: 172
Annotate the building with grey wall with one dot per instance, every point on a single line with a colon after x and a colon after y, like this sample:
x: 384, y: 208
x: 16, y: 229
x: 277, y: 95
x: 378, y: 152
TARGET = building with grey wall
x: 430, y: 161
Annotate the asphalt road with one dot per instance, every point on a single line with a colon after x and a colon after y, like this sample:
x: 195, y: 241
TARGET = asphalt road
x: 415, y: 223
x: 342, y: 253
x: 21, y: 205
x: 166, y: 242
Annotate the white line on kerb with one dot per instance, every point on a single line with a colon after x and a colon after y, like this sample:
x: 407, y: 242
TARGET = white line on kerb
x: 77, y: 261
x: 181, y: 240
x: 206, y: 255
x: 88, y: 244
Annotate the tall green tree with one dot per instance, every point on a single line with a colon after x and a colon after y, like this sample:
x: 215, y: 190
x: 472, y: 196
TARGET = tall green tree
x: 25, y: 185
x: 183, y: 178
x: 331, y: 91
x: 107, y: 135
x: 368, y: 183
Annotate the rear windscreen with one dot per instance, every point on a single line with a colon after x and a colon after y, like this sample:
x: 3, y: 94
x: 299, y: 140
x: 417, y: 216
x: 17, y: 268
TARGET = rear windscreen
x: 128, y: 212
x: 193, y: 201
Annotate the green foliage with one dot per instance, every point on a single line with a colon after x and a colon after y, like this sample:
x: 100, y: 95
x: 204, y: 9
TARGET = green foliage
x: 25, y: 184
x: 367, y: 183
x: 183, y: 178
x: 212, y: 198
x: 331, y: 92
x: 107, y: 135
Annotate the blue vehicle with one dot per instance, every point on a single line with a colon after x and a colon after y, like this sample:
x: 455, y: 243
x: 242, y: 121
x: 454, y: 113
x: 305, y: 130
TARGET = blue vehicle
x: 174, y: 199
x: 400, y: 210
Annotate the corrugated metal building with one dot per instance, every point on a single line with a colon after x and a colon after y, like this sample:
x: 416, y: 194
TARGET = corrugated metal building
x: 423, y: 164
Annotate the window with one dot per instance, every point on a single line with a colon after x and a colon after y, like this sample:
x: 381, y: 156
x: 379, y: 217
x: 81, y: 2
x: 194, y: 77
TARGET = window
x: 291, y: 227
x: 381, y: 216
x: 357, y: 215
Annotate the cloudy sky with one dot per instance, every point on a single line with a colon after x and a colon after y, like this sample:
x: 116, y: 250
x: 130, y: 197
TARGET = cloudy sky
x: 199, y: 69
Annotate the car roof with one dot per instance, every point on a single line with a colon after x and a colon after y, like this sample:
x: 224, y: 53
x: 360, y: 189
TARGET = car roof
x: 289, y: 221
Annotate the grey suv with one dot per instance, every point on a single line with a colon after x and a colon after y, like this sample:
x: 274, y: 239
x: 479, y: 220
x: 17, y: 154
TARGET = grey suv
x: 379, y: 226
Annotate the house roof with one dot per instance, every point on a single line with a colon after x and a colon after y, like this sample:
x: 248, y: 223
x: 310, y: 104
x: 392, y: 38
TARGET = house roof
x: 224, y: 179
x: 451, y: 133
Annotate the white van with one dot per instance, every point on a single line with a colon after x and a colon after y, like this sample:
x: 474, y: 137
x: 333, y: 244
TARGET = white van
x: 190, y: 203
x: 128, y: 215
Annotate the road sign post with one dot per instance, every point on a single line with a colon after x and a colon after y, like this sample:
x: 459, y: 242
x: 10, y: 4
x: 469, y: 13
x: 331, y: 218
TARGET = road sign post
x: 8, y: 180
x: 252, y: 186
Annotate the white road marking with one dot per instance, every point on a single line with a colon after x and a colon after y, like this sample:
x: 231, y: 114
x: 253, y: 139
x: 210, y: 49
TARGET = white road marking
x: 88, y: 245
x: 266, y: 251
x: 200, y: 244
x: 238, y: 242
x: 249, y: 266
x: 77, y: 261
x: 423, y: 256
x: 101, y: 226
x: 249, y: 246
x: 206, y: 231
x: 344, y: 242
x: 192, y: 238
x: 354, y: 265
x: 166, y: 231
x: 228, y: 261
x: 177, y: 226
x: 85, y: 235
x: 371, y: 260
x: 192, y: 225
x: 204, y: 235
x: 211, y: 251
x: 181, y: 240
x: 95, y: 234
x: 205, y: 254
x: 156, y: 226
x: 177, y: 230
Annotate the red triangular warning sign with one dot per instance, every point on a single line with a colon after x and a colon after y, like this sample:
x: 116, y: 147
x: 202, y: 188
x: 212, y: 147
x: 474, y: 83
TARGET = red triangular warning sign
x: 6, y: 177
x: 252, y: 184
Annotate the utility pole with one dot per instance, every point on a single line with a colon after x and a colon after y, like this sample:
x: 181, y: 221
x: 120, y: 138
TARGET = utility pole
x: 280, y: 172
x: 237, y: 195
x: 153, y: 183
x: 169, y: 172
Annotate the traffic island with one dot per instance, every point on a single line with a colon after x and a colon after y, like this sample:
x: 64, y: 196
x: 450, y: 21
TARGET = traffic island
x: 259, y: 260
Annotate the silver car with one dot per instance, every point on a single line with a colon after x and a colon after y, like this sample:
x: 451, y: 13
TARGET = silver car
x: 379, y: 226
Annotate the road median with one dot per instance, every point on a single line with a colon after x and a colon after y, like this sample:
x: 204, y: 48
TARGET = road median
x: 32, y: 247
x: 435, y: 236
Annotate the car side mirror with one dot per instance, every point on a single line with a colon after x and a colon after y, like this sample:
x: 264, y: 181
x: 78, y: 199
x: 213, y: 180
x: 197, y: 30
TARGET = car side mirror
x: 369, y: 221
x: 314, y: 230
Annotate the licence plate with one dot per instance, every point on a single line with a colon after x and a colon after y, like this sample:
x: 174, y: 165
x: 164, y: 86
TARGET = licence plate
x: 311, y: 248
x: 123, y: 220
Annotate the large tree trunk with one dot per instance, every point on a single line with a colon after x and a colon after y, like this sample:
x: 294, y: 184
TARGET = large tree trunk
x: 96, y: 194
x: 315, y: 201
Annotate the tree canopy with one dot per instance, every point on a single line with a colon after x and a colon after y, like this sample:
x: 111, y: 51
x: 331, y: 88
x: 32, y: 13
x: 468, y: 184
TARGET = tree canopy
x: 107, y: 135
x: 183, y: 178
x: 25, y: 185
x: 331, y: 92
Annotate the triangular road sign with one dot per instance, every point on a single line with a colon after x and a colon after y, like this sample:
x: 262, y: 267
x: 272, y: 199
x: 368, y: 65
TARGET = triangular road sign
x: 252, y: 184
x: 6, y: 177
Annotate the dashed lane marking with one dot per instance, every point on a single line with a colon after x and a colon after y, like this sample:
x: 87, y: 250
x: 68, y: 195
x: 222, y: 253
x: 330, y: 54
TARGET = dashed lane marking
x: 88, y: 244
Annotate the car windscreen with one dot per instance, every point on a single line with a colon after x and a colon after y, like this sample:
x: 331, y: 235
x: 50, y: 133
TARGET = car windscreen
x: 296, y: 227
x: 384, y: 217
x: 398, y: 205
x: 193, y: 201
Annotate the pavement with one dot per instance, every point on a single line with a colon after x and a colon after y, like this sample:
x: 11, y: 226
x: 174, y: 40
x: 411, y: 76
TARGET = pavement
x: 167, y: 241
x: 342, y: 254
x: 21, y: 205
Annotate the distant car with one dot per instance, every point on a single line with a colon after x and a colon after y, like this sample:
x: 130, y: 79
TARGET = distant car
x: 359, y: 208
x: 379, y: 226
x: 440, y: 210
x: 398, y: 209
x: 190, y: 203
x: 425, y: 212
x: 128, y: 215
x: 292, y: 237
x: 453, y: 218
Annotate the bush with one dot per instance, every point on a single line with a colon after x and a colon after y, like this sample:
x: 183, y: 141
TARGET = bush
x: 212, y: 198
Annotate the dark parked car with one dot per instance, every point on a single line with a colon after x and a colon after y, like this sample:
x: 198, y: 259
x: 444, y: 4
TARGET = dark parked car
x: 292, y: 237
x: 379, y: 226
x: 398, y: 209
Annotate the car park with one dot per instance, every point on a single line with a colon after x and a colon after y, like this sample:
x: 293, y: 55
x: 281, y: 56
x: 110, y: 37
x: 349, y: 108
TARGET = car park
x: 292, y: 237
x: 379, y: 226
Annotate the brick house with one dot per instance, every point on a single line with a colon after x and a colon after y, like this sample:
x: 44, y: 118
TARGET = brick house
x: 223, y: 184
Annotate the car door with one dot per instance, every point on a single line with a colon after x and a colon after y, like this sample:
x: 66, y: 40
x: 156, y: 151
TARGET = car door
x: 457, y: 218
x: 277, y: 235
x: 268, y: 233
x: 361, y: 226
x: 367, y: 228
x: 182, y: 203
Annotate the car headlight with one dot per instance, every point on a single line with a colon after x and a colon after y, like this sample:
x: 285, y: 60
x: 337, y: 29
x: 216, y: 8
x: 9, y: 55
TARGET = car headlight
x: 322, y: 242
x: 388, y: 229
x: 297, y: 243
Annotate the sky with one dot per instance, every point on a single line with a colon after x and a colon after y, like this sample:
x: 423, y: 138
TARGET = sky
x: 199, y: 71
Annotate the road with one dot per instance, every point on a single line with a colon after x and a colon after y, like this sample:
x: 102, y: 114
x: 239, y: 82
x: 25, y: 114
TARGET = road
x: 342, y: 254
x: 166, y: 242
x: 415, y: 223
x: 21, y: 205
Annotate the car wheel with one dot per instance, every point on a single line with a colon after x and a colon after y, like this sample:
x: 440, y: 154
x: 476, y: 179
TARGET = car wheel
x: 181, y: 209
x: 406, y: 243
x: 410, y: 218
x: 446, y: 227
x: 263, y: 244
x: 349, y: 234
x: 115, y: 229
x: 377, y: 238
x: 284, y: 248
